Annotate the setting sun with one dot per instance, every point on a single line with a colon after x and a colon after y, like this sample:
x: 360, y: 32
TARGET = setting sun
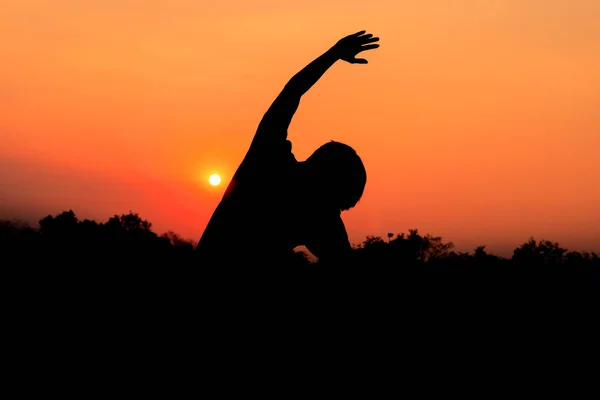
x: 214, y: 179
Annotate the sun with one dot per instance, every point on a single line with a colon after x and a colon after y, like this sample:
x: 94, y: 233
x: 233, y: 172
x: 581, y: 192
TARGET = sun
x: 214, y: 179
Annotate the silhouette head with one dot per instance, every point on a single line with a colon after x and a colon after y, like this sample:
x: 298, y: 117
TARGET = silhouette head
x: 338, y: 173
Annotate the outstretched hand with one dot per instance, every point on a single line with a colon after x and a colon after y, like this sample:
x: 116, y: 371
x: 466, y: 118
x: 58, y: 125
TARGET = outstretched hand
x: 348, y: 47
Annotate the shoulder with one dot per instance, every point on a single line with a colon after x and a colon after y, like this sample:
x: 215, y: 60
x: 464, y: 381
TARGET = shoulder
x: 266, y: 149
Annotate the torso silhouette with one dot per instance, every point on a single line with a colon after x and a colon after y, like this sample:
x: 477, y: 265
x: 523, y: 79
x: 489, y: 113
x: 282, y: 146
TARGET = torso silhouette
x: 267, y: 210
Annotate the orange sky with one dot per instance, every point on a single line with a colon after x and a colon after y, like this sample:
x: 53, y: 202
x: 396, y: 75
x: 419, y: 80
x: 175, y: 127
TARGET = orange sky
x: 477, y: 120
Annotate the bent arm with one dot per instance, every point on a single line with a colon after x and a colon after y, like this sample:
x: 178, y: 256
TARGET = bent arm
x: 329, y: 242
x: 276, y: 120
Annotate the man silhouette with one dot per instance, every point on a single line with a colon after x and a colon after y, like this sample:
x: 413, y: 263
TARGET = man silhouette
x: 275, y: 203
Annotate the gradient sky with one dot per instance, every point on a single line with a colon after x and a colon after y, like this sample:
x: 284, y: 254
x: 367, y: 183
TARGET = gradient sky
x: 478, y: 121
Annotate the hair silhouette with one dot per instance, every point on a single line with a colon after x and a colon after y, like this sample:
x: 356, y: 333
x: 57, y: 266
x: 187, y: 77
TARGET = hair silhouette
x: 342, y: 173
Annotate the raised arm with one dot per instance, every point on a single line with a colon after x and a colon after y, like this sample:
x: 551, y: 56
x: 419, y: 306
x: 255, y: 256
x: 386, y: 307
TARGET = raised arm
x: 276, y: 120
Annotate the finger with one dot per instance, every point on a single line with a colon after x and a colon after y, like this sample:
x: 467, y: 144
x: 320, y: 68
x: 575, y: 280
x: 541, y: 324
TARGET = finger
x: 359, y: 61
x: 369, y: 39
x: 369, y: 47
x: 358, y: 33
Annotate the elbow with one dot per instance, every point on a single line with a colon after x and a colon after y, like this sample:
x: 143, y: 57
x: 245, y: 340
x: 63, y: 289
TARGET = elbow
x: 294, y: 88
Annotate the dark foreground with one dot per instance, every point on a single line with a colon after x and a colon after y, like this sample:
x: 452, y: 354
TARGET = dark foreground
x: 124, y: 269
x: 88, y: 304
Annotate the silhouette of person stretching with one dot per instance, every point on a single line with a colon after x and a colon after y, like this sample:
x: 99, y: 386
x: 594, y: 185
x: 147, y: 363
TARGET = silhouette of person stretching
x: 275, y: 203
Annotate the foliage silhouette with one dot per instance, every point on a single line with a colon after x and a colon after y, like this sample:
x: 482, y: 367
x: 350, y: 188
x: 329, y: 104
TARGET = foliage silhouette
x: 128, y: 242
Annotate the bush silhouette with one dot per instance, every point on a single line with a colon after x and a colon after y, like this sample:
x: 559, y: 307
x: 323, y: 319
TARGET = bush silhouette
x: 126, y: 247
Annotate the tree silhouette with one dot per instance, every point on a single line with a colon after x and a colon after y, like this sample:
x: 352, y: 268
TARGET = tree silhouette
x: 64, y: 225
x: 543, y: 252
x: 126, y: 249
